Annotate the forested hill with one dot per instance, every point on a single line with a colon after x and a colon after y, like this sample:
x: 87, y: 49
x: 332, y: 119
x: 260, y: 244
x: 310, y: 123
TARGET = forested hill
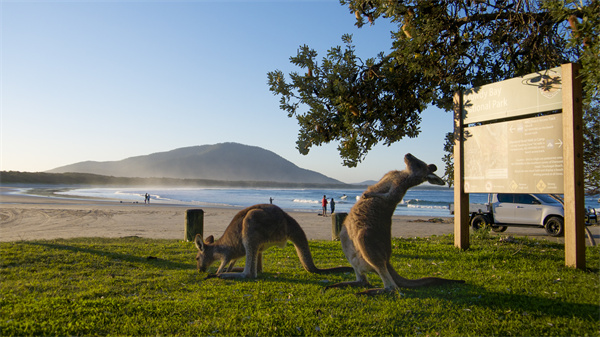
x: 219, y: 162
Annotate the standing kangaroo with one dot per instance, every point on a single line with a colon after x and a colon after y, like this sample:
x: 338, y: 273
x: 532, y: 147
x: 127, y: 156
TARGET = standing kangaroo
x: 366, y: 233
x: 251, y: 231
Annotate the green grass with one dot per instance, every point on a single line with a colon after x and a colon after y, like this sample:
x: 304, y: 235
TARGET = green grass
x: 96, y: 286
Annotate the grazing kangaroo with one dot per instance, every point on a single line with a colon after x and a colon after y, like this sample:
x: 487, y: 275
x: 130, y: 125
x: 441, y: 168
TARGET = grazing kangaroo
x: 366, y: 233
x: 251, y: 231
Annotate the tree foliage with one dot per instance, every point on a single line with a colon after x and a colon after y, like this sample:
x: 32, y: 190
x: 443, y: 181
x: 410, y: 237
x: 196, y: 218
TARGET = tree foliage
x: 591, y: 148
x: 439, y: 47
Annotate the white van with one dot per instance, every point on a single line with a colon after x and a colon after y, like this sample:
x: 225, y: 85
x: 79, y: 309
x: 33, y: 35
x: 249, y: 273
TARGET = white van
x: 512, y: 209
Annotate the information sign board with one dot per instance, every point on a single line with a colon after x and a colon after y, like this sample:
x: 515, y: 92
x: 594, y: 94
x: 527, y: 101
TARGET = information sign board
x: 517, y: 96
x: 521, y: 156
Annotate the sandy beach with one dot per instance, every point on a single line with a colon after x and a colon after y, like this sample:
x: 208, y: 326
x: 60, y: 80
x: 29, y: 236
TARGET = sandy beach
x: 29, y: 217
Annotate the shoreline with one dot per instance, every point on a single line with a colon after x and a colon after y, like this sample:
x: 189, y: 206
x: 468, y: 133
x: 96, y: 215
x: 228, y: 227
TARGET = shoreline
x: 30, y: 217
x: 33, y: 217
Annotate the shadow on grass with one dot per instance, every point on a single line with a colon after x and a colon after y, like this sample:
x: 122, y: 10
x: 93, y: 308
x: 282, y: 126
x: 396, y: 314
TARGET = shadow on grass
x: 472, y: 295
x: 460, y: 295
x: 272, y: 277
x: 149, y: 260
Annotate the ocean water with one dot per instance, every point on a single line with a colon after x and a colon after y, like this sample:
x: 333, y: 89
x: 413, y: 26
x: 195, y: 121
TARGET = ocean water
x: 417, y: 202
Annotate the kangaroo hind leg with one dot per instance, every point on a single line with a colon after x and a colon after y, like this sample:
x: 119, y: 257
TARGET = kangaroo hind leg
x: 389, y: 285
x: 377, y: 257
x: 360, y: 266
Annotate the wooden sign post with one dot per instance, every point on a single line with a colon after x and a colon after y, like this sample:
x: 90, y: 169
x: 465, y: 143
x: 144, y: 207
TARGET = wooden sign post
x: 503, y: 145
x: 573, y: 159
x: 461, y: 199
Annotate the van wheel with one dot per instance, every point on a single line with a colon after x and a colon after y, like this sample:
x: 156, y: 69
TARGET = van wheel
x: 499, y: 229
x: 555, y: 226
x: 479, y: 222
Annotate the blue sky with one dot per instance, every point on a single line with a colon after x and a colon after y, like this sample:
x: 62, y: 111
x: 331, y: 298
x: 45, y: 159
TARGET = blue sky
x: 107, y: 80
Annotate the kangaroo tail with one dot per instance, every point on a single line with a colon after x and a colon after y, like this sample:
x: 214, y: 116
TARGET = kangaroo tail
x: 421, y: 282
x: 298, y: 238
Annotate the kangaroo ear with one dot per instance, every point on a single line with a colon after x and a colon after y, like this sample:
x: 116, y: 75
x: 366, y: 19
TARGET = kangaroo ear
x: 432, y: 178
x: 199, y: 243
x: 435, y: 180
x: 210, y: 239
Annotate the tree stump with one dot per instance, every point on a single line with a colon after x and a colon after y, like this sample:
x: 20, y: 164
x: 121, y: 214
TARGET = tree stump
x: 336, y: 225
x: 194, y: 224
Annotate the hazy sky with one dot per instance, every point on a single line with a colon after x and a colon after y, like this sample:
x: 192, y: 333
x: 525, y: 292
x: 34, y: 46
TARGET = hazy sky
x: 107, y: 80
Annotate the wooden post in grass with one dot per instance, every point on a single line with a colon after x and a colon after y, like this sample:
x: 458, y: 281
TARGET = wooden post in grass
x: 461, y: 199
x: 194, y: 224
x: 336, y: 225
x: 574, y: 222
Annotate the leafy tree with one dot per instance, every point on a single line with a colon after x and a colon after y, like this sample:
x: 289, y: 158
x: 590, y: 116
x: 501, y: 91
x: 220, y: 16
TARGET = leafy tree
x: 439, y: 47
x: 591, y: 148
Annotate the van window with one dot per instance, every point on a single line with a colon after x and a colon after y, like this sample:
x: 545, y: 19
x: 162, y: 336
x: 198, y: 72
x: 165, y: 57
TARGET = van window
x: 547, y: 199
x: 505, y: 197
x: 525, y: 199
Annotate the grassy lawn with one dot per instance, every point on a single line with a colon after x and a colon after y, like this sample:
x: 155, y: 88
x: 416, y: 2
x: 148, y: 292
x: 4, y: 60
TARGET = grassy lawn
x: 134, y: 286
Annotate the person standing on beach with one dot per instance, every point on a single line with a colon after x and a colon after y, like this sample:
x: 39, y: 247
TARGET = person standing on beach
x: 324, y: 204
x: 271, y: 200
x: 332, y: 205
